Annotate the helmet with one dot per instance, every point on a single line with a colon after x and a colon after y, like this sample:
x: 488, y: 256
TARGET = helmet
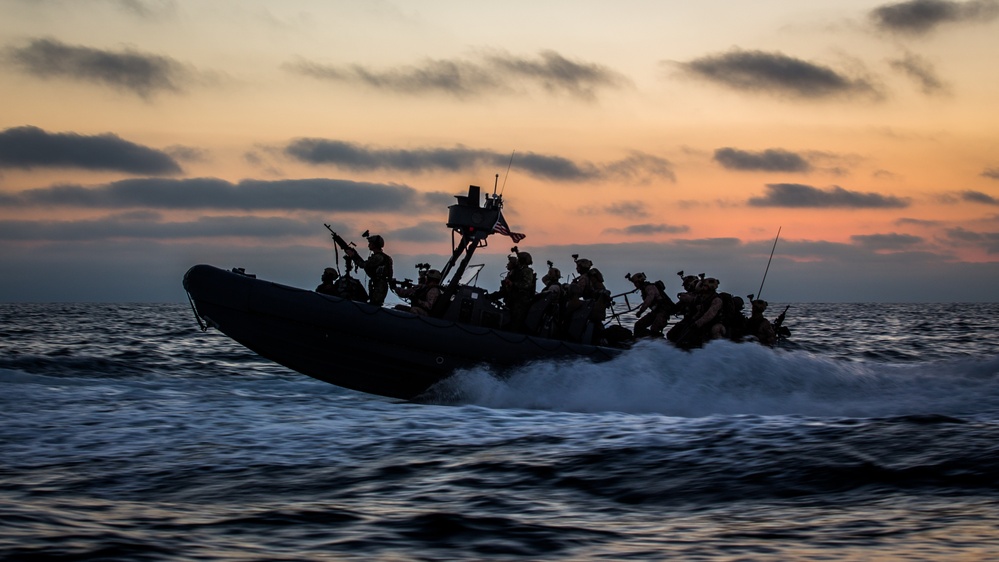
x: 524, y: 258
x: 330, y: 273
x: 376, y: 241
x: 434, y: 274
x: 584, y: 263
x: 711, y: 283
x: 760, y: 304
x: 690, y: 282
x: 553, y: 276
x: 638, y: 277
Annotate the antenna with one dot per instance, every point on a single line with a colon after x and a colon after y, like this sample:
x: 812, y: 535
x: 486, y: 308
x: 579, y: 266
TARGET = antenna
x: 760, y: 292
x: 507, y: 173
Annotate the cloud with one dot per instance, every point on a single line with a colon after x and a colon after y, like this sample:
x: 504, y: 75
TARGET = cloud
x: 147, y: 9
x: 989, y: 241
x: 978, y: 197
x: 798, y: 196
x: 187, y: 153
x: 905, y: 221
x: 627, y: 209
x: 920, y: 71
x: 491, y: 74
x: 647, y: 229
x: 919, y: 17
x: 428, y: 231
x: 769, y: 160
x: 211, y: 193
x: 148, y: 226
x: 128, y: 70
x: 992, y: 173
x: 31, y: 147
x: 891, y: 241
x: 637, y: 167
x: 776, y: 73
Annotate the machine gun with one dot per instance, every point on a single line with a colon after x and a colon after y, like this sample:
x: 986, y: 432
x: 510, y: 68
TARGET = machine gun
x: 778, y: 324
x: 407, y: 283
x: 350, y: 254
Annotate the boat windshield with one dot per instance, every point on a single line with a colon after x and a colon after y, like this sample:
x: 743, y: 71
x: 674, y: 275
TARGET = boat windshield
x: 471, y: 274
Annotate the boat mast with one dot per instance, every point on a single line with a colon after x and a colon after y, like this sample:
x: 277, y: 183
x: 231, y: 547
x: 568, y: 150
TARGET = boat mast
x: 475, y: 223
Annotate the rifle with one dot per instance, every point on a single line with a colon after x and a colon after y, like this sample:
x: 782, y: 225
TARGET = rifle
x: 350, y: 254
x: 778, y: 324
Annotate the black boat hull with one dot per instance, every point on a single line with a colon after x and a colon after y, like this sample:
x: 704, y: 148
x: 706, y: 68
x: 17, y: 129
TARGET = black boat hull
x: 356, y: 345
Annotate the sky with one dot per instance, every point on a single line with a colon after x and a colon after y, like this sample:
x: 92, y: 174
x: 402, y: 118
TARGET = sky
x: 141, y: 137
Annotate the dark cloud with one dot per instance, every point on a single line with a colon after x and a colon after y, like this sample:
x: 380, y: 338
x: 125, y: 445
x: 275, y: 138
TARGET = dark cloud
x: 918, y: 17
x: 148, y: 226
x: 891, y: 241
x: 627, y: 209
x: 636, y: 168
x: 429, y: 231
x: 989, y: 241
x: 646, y: 229
x: 776, y: 73
x: 992, y: 173
x: 211, y: 193
x: 917, y: 222
x: 31, y: 147
x: 187, y: 153
x: 920, y: 71
x: 798, y: 196
x: 769, y: 160
x: 639, y: 168
x: 147, y: 9
x: 491, y: 74
x: 978, y: 197
x: 142, y: 74
x: 146, y: 270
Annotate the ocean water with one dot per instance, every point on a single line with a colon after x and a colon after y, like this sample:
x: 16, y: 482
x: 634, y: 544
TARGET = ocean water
x: 873, y: 434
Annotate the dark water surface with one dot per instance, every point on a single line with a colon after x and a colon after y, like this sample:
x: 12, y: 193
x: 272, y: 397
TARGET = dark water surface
x: 127, y: 434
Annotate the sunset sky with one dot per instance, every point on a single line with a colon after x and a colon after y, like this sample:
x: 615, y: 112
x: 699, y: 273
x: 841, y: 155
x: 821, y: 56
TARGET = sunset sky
x: 141, y: 137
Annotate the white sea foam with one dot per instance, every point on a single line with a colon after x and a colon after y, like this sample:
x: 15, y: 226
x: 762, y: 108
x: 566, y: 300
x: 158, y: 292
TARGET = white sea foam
x: 734, y: 379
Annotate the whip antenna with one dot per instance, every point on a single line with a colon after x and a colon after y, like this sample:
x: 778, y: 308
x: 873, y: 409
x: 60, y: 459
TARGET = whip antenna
x: 759, y: 294
x: 507, y: 173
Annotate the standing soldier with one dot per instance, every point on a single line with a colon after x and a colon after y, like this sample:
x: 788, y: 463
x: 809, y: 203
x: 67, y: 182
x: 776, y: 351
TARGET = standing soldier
x: 519, y: 288
x: 378, y: 268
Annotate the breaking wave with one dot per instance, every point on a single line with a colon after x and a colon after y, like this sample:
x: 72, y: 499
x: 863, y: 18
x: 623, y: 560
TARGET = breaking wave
x: 733, y: 379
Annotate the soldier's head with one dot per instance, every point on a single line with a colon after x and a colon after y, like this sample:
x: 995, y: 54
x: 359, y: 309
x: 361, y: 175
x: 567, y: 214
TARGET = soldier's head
x: 707, y: 285
x: 760, y: 305
x: 511, y: 262
x: 330, y: 274
x: 552, y: 277
x: 524, y: 258
x: 738, y: 302
x: 637, y: 278
x: 375, y: 242
x: 583, y: 265
x: 690, y: 282
x: 434, y: 276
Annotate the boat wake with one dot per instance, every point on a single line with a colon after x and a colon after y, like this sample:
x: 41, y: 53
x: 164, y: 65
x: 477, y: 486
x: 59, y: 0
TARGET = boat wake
x: 733, y: 379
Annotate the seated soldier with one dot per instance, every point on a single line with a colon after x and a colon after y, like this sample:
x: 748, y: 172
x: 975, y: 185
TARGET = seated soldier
x: 652, y: 299
x: 424, y: 299
x: 328, y: 285
x: 758, y: 326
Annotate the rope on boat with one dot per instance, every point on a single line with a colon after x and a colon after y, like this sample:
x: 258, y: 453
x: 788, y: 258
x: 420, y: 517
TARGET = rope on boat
x: 194, y: 309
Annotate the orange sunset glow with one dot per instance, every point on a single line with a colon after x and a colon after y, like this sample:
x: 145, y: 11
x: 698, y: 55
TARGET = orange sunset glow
x: 139, y: 138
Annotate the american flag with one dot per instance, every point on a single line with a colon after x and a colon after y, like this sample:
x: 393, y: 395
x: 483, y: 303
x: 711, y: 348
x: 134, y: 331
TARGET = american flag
x: 501, y: 227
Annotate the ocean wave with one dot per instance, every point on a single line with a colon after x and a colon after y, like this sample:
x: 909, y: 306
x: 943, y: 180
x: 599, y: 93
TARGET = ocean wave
x: 732, y: 379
